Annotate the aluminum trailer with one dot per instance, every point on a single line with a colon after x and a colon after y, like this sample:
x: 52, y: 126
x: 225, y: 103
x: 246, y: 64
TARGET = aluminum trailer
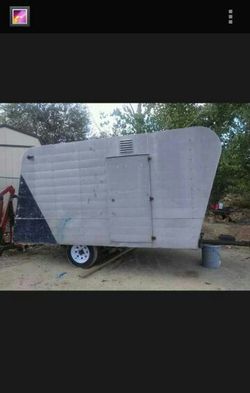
x: 145, y: 190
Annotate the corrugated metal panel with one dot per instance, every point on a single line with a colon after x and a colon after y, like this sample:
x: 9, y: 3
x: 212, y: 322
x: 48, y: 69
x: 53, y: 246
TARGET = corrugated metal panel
x: 71, y: 184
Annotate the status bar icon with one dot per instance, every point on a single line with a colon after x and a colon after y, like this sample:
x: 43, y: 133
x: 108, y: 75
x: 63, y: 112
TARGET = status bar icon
x: 20, y: 16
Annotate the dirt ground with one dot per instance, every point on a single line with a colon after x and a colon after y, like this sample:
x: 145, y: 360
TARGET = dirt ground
x: 47, y: 268
x: 213, y: 230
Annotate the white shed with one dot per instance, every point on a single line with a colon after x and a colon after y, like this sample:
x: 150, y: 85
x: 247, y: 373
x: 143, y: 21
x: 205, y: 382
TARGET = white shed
x: 13, y: 144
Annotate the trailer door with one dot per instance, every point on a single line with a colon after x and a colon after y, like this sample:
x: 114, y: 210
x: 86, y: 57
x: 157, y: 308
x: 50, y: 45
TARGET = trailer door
x: 129, y: 205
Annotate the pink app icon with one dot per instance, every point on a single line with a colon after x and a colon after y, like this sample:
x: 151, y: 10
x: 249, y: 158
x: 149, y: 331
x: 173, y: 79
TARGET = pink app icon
x: 19, y: 16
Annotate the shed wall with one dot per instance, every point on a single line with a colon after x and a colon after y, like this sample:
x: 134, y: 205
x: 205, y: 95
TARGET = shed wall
x: 13, y: 144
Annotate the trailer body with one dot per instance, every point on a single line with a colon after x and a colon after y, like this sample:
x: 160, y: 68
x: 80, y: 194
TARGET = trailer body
x: 144, y: 190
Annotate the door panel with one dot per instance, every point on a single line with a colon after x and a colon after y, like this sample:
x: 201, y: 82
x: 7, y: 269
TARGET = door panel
x: 129, y: 206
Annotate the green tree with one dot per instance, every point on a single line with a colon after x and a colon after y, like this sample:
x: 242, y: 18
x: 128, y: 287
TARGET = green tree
x: 131, y: 121
x: 230, y: 121
x: 52, y: 123
x: 175, y: 115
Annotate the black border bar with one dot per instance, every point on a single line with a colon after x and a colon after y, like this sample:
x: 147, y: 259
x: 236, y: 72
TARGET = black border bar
x: 107, y: 17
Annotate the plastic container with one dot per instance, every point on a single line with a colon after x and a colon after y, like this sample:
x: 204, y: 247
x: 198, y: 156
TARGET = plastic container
x: 211, y: 256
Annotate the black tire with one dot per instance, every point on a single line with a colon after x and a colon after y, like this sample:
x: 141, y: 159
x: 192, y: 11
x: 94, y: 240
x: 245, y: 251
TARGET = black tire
x: 82, y: 256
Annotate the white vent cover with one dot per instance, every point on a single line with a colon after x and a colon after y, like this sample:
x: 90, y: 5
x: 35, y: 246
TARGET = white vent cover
x: 126, y: 146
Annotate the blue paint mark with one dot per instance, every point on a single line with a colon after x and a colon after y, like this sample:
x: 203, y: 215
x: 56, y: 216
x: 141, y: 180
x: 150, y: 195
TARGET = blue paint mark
x: 61, y: 228
x: 59, y: 275
x: 66, y: 220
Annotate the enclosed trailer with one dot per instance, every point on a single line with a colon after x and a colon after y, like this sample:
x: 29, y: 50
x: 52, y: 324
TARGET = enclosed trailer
x: 144, y: 190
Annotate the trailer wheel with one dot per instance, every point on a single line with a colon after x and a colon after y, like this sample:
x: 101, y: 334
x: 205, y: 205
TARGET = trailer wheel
x: 82, y: 256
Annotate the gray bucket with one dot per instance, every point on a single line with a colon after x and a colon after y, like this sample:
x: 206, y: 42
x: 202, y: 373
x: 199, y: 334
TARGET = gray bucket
x: 211, y: 256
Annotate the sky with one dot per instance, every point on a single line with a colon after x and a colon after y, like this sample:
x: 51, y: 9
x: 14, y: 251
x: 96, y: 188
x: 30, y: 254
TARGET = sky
x: 95, y: 111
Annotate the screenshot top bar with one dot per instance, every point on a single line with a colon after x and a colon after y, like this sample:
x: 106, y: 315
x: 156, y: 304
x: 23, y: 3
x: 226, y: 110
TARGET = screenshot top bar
x: 77, y: 17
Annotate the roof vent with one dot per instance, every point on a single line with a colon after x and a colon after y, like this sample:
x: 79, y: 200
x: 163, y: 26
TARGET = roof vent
x: 126, y: 146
